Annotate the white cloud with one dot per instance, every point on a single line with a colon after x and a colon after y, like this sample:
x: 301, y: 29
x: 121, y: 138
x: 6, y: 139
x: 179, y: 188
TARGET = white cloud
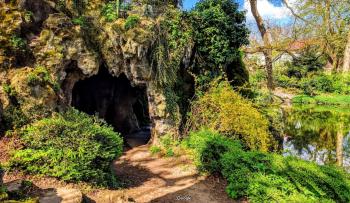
x: 268, y: 11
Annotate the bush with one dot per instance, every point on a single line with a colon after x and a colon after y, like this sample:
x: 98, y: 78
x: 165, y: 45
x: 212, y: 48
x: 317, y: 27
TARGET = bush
x: 131, y: 22
x: 223, y: 110
x: 14, y: 118
x: 264, y: 177
x: 208, y: 147
x: 270, y: 177
x: 287, y: 82
x: 155, y: 150
x: 72, y: 146
x: 109, y: 11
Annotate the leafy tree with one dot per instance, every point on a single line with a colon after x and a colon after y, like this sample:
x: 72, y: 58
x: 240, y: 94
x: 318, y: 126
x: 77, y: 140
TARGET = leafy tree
x: 330, y: 17
x: 219, y: 31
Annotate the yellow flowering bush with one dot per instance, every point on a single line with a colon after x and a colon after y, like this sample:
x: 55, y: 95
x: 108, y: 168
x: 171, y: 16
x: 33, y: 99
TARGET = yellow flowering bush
x: 223, y: 110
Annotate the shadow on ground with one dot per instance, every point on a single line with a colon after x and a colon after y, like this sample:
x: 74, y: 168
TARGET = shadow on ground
x: 150, y: 178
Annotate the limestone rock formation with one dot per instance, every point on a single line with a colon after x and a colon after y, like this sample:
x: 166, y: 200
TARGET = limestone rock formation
x: 62, y: 195
x: 48, y: 46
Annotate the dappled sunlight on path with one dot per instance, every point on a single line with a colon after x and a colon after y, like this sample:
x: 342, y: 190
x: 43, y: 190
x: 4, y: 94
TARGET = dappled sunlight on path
x: 153, y: 179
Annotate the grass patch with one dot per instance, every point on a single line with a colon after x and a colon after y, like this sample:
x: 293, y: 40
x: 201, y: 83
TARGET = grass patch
x: 329, y: 99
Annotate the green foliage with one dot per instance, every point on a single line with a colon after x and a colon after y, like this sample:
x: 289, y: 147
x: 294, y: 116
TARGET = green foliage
x: 265, y: 177
x: 322, y: 99
x: 28, y: 16
x: 131, y: 22
x: 222, y: 109
x: 155, y: 150
x: 18, y: 43
x: 171, y: 100
x: 219, y: 32
x: 72, y: 146
x: 109, y: 11
x: 309, y: 60
x: 173, y: 38
x: 39, y: 76
x: 14, y: 118
x: 167, y: 146
x: 174, y: 35
x: 81, y: 20
x: 317, y: 83
x: 295, y: 178
x: 9, y: 90
x: 306, y: 72
x: 169, y: 152
x: 208, y: 147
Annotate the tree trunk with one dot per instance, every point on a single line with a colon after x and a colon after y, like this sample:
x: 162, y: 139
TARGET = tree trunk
x: 117, y: 5
x: 346, y: 61
x: 339, y: 147
x: 267, y: 43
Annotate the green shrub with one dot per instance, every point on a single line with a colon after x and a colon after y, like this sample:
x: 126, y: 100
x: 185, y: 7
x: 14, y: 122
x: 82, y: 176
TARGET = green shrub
x: 155, y: 150
x: 109, y: 10
x: 9, y: 90
x: 266, y: 177
x: 14, y: 118
x: 287, y: 82
x: 223, y: 110
x: 315, y: 83
x: 208, y: 147
x: 18, y: 42
x: 169, y: 152
x: 270, y: 177
x: 72, y: 146
x: 131, y: 22
x: 81, y: 20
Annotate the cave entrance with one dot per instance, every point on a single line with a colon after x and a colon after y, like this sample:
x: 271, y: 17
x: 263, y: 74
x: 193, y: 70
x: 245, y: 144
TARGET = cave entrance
x: 117, y: 102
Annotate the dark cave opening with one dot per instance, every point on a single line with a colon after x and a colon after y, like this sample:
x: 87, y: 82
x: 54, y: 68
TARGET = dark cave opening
x: 116, y: 101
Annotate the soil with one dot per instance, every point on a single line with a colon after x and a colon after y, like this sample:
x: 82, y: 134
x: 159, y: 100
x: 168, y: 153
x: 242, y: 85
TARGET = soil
x: 145, y: 178
x: 285, y: 96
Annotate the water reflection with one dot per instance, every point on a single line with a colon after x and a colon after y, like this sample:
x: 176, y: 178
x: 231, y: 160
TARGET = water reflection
x: 318, y: 133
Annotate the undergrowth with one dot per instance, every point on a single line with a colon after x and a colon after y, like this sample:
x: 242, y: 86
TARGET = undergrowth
x: 225, y: 111
x: 267, y: 177
x: 72, y: 146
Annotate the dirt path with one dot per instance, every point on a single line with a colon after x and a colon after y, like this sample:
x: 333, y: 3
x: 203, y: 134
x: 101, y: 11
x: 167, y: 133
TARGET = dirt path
x: 146, y: 178
x: 154, y: 179
x: 284, y: 96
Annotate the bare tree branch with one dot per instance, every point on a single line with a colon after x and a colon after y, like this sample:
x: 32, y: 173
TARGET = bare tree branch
x: 285, y: 2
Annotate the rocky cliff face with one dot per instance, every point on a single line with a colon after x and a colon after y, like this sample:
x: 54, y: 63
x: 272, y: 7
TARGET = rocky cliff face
x: 49, y: 46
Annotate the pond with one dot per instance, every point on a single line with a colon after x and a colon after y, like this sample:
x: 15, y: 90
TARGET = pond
x: 318, y: 133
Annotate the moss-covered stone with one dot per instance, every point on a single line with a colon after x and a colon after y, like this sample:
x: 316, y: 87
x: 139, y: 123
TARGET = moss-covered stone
x: 66, y: 42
